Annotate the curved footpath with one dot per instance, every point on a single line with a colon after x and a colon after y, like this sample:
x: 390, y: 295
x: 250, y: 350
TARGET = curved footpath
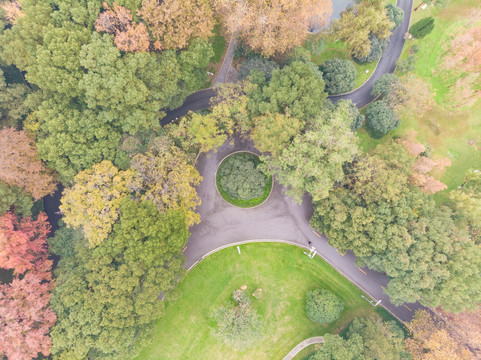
x: 303, y: 345
x: 279, y: 217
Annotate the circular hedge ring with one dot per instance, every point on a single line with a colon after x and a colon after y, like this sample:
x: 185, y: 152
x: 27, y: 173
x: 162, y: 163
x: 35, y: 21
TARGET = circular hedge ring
x: 240, y: 182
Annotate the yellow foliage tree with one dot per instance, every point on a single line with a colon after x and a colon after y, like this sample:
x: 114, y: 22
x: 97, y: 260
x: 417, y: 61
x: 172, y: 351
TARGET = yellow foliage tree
x: 273, y: 132
x: 363, y: 20
x: 93, y: 202
x: 164, y: 176
x: 431, y: 340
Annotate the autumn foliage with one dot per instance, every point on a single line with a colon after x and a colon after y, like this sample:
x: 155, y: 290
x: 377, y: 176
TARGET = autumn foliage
x: 273, y: 27
x: 432, y: 340
x: 174, y: 23
x: 13, y: 11
x: 129, y: 36
x: 21, y: 166
x: 25, y: 315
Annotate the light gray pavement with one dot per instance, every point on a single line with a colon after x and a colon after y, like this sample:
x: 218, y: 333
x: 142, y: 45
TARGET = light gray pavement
x: 279, y: 218
x: 304, y: 344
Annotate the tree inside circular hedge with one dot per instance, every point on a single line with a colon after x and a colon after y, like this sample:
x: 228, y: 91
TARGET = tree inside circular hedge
x: 241, y: 182
x: 323, y: 307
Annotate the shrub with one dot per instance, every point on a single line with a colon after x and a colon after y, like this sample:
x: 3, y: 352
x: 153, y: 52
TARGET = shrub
x: 259, y: 63
x: 377, y: 49
x: 406, y: 65
x: 380, y: 118
x: 239, y: 327
x: 339, y: 76
x: 323, y: 307
x: 395, y: 14
x: 240, y: 178
x: 422, y: 28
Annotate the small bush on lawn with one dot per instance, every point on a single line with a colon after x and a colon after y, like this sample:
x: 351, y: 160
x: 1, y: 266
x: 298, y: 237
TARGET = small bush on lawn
x: 239, y: 326
x: 323, y: 307
x: 240, y: 178
x: 380, y: 119
x: 339, y: 75
x: 422, y: 28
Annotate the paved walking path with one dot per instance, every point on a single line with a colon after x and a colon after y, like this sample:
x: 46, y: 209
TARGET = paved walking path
x: 304, y: 344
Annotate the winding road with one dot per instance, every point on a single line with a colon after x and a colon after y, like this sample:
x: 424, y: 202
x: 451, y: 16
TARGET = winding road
x: 279, y: 218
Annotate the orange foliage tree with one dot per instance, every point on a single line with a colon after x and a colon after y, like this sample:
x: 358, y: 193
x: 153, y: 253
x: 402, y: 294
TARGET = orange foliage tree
x: 174, y: 23
x: 273, y: 27
x: 431, y: 340
x: 25, y: 315
x: 129, y: 36
x: 20, y: 164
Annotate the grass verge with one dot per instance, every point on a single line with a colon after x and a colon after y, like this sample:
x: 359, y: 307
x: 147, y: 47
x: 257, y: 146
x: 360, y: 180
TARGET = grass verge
x: 450, y: 130
x: 283, y: 272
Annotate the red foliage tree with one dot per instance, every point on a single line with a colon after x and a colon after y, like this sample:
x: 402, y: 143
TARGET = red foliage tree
x: 22, y: 242
x: 129, y: 36
x: 25, y: 315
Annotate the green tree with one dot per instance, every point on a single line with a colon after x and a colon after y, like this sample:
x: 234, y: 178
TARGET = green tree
x: 422, y: 28
x: 93, y: 202
x: 466, y: 201
x: 12, y: 107
x: 257, y: 63
x: 107, y: 298
x: 193, y: 63
x: 355, y: 119
x: 395, y: 14
x: 19, y: 43
x: 382, y: 340
x: 239, y: 326
x: 296, y: 89
x: 380, y: 119
x: 323, y: 307
x: 71, y: 138
x: 13, y: 197
x: 395, y: 228
x: 337, y: 348
x: 313, y: 161
x: 57, y: 68
x: 391, y: 90
x: 339, y: 75
x: 274, y: 132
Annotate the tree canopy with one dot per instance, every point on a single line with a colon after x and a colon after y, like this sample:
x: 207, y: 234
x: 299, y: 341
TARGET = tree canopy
x: 296, y: 89
x: 93, y: 202
x: 395, y: 228
x: 107, y: 298
x: 313, y: 161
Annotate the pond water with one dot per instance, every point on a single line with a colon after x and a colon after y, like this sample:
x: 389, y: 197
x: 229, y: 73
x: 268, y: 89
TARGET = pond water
x: 337, y: 7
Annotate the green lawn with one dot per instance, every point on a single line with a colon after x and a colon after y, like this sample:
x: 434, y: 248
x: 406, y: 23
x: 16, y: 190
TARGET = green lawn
x: 446, y: 128
x: 338, y: 49
x: 283, y: 272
